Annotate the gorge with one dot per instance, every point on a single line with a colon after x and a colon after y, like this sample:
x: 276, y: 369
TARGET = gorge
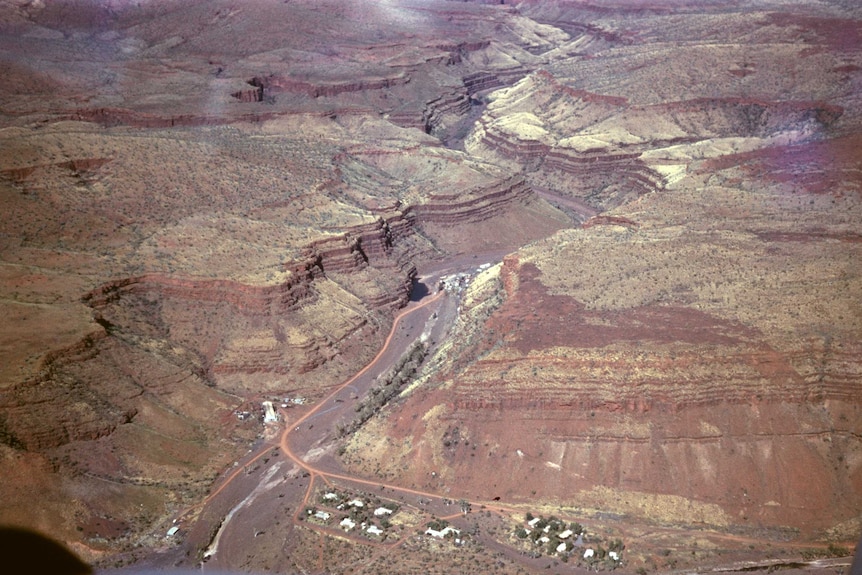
x: 646, y: 218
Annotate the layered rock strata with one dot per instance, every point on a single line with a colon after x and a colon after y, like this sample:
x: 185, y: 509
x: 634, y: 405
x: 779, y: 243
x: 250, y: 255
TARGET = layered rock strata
x: 689, y: 356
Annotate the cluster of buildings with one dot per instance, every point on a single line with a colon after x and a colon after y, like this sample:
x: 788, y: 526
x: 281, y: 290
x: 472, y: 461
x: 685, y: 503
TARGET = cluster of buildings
x: 372, y: 518
x: 268, y: 412
x: 561, y: 539
x: 455, y: 283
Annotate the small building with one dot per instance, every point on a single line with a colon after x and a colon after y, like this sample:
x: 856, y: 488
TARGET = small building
x: 374, y: 530
x: 443, y: 532
x: 330, y: 496
x: 543, y: 539
x: 269, y: 414
x: 356, y: 503
x: 614, y: 555
x: 561, y: 548
x: 347, y: 524
x: 381, y: 511
x: 322, y: 515
x: 534, y: 521
x: 589, y: 553
x: 173, y: 531
x: 565, y: 534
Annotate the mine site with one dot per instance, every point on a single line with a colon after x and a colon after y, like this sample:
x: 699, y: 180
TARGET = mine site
x: 428, y: 287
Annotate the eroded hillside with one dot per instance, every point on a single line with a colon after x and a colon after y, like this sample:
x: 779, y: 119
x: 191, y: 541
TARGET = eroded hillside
x: 209, y: 204
x: 200, y: 213
x: 691, y: 354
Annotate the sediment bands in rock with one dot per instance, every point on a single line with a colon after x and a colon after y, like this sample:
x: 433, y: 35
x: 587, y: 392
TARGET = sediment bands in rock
x: 209, y: 203
x: 592, y: 145
x: 233, y: 330
x: 457, y: 208
x: 685, y: 357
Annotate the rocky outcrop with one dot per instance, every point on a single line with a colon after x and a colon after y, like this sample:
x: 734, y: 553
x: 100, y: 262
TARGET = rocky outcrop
x: 621, y: 408
x: 82, y: 168
x: 252, y: 94
x: 83, y: 393
x: 270, y: 300
x: 453, y: 104
x: 472, y: 206
x: 610, y: 221
x: 481, y: 81
x: 271, y: 85
x: 607, y: 180
x: 112, y: 117
x: 51, y: 410
x: 602, y: 178
x: 458, y: 50
x: 744, y: 117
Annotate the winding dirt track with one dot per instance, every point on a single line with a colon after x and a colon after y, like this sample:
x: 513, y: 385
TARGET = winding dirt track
x: 285, y: 436
x: 284, y: 444
x: 496, y: 507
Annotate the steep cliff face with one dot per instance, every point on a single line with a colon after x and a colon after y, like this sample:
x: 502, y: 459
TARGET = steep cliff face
x: 607, y: 152
x: 682, y: 360
x: 271, y: 334
x: 689, y: 356
x: 220, y: 288
x: 198, y: 216
x: 252, y: 303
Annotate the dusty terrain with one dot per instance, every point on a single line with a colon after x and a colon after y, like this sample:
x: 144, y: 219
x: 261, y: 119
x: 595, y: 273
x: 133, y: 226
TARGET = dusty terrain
x: 211, y: 203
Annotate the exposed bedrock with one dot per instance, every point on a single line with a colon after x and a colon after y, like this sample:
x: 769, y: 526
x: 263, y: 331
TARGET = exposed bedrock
x: 114, y: 116
x: 277, y: 84
x: 87, y: 391
x: 237, y: 328
x: 601, y: 149
x: 748, y: 464
x: 480, y: 81
x: 48, y: 412
x: 228, y: 332
x: 597, y: 381
x: 448, y: 55
x: 254, y: 93
x: 477, y: 205
x: 238, y: 335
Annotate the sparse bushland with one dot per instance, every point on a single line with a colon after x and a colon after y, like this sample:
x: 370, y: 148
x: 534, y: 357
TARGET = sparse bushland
x: 390, y: 384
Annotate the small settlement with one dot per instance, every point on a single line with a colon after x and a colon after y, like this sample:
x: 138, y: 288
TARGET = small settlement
x: 364, y: 514
x: 552, y: 536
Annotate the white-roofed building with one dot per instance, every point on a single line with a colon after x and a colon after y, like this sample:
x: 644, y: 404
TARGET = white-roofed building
x: 347, y: 524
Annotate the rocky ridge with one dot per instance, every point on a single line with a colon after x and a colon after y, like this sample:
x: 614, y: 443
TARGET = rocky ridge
x: 265, y: 254
x: 201, y: 216
x: 689, y: 356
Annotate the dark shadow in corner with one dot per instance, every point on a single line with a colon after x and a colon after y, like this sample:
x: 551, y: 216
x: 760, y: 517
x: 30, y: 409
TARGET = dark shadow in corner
x: 25, y: 551
x: 418, y: 290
